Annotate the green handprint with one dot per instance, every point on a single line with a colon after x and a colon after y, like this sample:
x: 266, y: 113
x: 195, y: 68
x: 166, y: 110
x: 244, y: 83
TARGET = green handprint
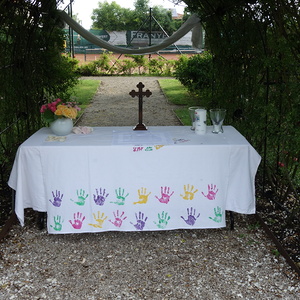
x: 218, y: 215
x: 57, y: 223
x: 81, y: 197
x: 163, y: 220
x: 120, y: 197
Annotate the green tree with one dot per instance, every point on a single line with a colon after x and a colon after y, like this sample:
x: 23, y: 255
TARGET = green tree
x: 111, y: 17
x: 141, y: 7
x: 76, y: 18
x: 161, y: 17
x: 163, y: 20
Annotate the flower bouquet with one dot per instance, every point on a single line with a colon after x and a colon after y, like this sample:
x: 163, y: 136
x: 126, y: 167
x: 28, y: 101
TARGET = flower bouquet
x: 58, y: 109
x: 60, y: 116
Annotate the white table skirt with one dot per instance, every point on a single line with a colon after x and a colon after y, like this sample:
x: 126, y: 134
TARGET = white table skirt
x: 118, y: 179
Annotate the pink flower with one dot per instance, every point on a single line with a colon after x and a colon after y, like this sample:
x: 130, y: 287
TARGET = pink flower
x: 43, y: 108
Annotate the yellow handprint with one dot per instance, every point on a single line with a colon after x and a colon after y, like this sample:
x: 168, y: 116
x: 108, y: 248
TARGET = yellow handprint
x: 99, y: 219
x: 189, y: 192
x: 143, y: 196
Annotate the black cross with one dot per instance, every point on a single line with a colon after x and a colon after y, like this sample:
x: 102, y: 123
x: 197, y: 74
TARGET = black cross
x: 141, y: 94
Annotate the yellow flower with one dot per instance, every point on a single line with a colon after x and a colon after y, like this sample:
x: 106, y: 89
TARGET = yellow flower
x: 68, y: 112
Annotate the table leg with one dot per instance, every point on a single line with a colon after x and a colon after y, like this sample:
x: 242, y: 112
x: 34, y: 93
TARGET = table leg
x: 231, y: 216
x: 41, y: 220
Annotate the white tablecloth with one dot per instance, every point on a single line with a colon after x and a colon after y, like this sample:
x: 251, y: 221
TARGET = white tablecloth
x: 118, y: 179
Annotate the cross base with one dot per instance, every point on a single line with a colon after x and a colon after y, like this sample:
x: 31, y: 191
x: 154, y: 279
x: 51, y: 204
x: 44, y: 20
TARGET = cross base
x: 140, y: 126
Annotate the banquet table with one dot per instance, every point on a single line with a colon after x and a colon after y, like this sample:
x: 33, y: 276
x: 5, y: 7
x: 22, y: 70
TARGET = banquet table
x: 114, y: 178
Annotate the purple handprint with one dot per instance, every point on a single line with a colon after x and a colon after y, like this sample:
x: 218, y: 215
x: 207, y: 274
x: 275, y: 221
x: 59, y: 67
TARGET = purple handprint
x: 57, y: 198
x: 165, y: 195
x: 118, y: 219
x: 140, y: 221
x: 191, y: 219
x: 100, y: 197
x: 78, y: 219
x: 212, y: 192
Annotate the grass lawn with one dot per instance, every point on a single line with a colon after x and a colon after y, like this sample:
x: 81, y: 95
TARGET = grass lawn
x: 84, y: 92
x: 177, y: 94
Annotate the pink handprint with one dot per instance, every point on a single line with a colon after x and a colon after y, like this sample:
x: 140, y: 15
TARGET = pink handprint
x: 212, y: 192
x: 165, y: 195
x: 78, y: 219
x: 118, y: 219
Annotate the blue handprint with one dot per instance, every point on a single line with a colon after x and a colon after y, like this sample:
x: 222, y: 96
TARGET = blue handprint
x: 57, y: 198
x: 191, y: 219
x: 140, y: 221
x: 100, y: 197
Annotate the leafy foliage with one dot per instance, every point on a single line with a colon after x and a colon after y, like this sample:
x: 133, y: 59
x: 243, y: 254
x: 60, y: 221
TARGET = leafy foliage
x: 132, y: 65
x: 113, y: 17
x: 196, y: 73
x: 32, y: 70
x: 255, y: 71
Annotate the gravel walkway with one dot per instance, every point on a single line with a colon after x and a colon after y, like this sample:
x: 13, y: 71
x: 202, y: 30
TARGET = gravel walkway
x: 179, y: 264
x: 113, y: 106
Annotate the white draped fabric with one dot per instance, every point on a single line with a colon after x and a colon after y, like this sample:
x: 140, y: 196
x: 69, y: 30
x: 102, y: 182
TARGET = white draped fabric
x: 119, y: 179
x: 192, y: 23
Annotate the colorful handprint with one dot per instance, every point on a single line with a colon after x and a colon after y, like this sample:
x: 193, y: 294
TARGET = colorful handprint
x: 57, y: 198
x: 57, y: 223
x: 118, y: 219
x: 100, y: 197
x: 78, y: 220
x: 121, y: 197
x: 140, y: 221
x: 81, y: 197
x: 212, y: 192
x: 191, y: 219
x: 100, y: 218
x: 165, y: 195
x: 143, y: 196
x: 189, y: 192
x: 218, y: 215
x: 163, y: 220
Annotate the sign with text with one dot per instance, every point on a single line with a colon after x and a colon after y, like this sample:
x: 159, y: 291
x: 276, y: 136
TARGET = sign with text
x: 142, y: 38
